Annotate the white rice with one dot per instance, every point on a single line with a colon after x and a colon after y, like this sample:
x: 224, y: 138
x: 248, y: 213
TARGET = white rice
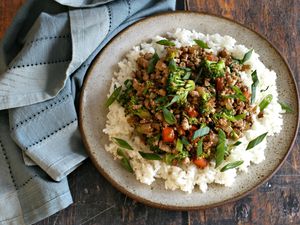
x: 188, y: 177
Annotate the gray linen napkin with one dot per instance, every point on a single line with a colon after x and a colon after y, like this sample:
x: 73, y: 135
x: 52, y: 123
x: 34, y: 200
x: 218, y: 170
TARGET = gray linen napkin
x: 43, y: 59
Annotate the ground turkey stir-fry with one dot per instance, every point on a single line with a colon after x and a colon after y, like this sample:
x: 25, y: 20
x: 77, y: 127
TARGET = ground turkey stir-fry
x: 185, y: 105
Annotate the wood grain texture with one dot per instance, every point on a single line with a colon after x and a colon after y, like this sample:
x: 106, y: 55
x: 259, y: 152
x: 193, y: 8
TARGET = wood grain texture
x: 275, y: 202
x: 8, y: 9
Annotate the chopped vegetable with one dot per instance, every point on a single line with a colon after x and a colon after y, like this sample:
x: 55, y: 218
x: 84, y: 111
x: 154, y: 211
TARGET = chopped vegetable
x: 201, y: 132
x: 174, y: 99
x: 201, y: 43
x: 214, y: 69
x: 253, y: 86
x: 150, y: 156
x: 246, y: 57
x: 184, y: 141
x: 122, y: 143
x: 168, y: 158
x: 172, y: 65
x: 237, y: 143
x: 265, y: 102
x: 192, y: 112
x: 113, y: 96
x: 256, y: 141
x: 200, y: 162
x: 238, y: 93
x: 124, y: 160
x: 168, y: 134
x: 169, y: 117
x: 152, y: 63
x: 232, y: 165
x: 179, y: 145
x: 221, y: 148
x: 166, y: 42
x: 286, y: 107
x: 199, y: 147
x: 179, y: 86
x: 233, y: 118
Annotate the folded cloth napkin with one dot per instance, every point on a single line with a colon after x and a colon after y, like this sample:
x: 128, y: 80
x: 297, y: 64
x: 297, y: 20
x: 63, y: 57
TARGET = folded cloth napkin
x: 43, y: 59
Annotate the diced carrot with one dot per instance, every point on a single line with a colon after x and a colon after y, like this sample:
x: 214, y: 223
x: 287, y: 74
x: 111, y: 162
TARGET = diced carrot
x: 168, y: 134
x: 200, y: 162
x: 192, y: 112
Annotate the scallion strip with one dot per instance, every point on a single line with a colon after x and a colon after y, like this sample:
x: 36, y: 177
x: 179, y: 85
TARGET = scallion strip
x: 255, y: 82
x: 256, y: 141
x: 113, y: 96
x: 232, y: 165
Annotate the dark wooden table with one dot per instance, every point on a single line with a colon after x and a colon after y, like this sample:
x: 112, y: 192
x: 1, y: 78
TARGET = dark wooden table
x: 275, y: 202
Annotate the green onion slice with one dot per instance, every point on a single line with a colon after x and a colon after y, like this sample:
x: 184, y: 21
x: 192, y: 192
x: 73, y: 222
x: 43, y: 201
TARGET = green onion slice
x: 256, y: 141
x: 201, y: 43
x: 200, y: 147
x: 113, y: 96
x: 286, y: 107
x: 122, y: 143
x: 254, y: 85
x: 221, y: 148
x: 265, y: 102
x: 232, y: 165
x: 166, y: 42
x: 152, y: 63
x: 246, y: 57
x: 150, y: 156
x: 124, y: 160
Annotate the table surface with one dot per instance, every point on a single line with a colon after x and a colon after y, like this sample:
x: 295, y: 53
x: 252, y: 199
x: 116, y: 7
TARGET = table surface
x: 275, y: 202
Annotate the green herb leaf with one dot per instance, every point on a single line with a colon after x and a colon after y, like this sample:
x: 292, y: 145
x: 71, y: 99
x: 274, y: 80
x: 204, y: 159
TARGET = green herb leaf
x: 122, y: 143
x: 124, y: 160
x: 237, y: 143
x: 254, y: 85
x: 179, y: 145
x: 200, y: 147
x: 265, y: 102
x: 256, y: 141
x: 172, y: 65
x: 201, y: 43
x: 233, y: 118
x: 166, y: 42
x: 246, y: 57
x: 162, y: 99
x: 152, y: 63
x: 186, y: 76
x: 238, y: 93
x: 113, y: 96
x: 201, y: 132
x: 184, y: 141
x: 150, y: 156
x: 185, y: 68
x: 169, y: 117
x: 168, y: 158
x: 286, y: 107
x: 221, y: 148
x: 174, y: 99
x: 232, y: 165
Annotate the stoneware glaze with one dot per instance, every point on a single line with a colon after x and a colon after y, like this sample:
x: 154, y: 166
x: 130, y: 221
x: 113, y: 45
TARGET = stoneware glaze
x: 93, y: 113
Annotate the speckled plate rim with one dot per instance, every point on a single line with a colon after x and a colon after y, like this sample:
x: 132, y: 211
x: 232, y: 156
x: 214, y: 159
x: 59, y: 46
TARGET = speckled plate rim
x: 154, y: 204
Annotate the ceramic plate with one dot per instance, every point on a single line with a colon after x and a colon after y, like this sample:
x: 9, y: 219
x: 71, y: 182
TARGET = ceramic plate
x: 93, y: 113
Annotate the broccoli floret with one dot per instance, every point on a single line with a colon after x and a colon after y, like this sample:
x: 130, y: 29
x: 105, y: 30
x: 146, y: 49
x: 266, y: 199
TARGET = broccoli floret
x: 214, y: 69
x: 141, y: 112
x: 184, y: 91
x: 175, y: 81
x: 177, y: 84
